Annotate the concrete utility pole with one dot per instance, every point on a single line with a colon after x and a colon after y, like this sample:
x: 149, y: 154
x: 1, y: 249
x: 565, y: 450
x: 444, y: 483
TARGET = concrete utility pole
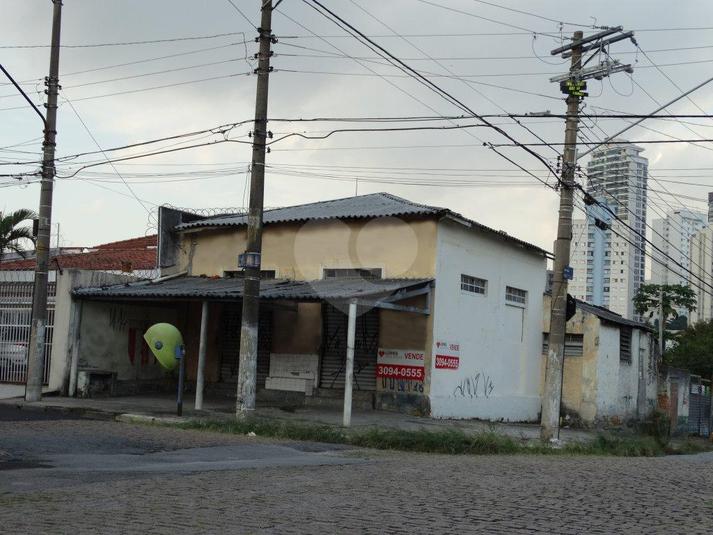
x: 555, y: 356
x: 250, y: 261
x: 661, y: 324
x: 573, y: 84
x: 36, y: 361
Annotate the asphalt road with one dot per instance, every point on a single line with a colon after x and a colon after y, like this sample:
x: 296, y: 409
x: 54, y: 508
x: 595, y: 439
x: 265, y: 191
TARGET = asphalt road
x: 60, y: 475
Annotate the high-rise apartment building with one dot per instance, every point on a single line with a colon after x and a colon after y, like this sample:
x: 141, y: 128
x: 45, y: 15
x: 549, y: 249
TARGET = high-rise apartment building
x: 607, y: 252
x: 671, y: 245
x: 700, y: 263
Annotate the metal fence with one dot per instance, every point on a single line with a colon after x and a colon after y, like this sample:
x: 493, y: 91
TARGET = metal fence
x: 699, y: 409
x: 15, y: 321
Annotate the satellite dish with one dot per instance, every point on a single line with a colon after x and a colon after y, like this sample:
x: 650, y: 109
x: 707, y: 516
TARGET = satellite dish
x: 166, y: 344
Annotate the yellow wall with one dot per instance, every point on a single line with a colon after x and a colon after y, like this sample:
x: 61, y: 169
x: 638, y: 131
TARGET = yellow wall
x: 579, y: 387
x: 301, y: 250
x: 297, y: 328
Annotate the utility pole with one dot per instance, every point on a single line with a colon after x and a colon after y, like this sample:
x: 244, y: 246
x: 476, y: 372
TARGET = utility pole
x: 573, y: 84
x: 251, y: 259
x: 661, y: 323
x: 558, y: 317
x: 36, y: 360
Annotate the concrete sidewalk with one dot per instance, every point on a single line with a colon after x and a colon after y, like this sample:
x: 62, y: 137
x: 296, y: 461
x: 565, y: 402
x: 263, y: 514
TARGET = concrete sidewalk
x: 163, y: 408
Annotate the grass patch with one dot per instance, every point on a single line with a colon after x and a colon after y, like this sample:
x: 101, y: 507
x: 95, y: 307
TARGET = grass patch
x: 448, y: 441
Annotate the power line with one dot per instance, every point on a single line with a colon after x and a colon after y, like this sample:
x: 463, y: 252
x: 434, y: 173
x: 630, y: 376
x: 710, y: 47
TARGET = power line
x: 138, y: 62
x: 164, y: 86
x: 425, y: 81
x: 494, y: 21
x: 536, y: 15
x: 94, y: 139
x: 242, y: 14
x: 131, y: 43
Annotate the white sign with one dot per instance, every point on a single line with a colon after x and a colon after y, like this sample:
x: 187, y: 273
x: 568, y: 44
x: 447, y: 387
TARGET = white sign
x: 447, y: 355
x: 400, y: 364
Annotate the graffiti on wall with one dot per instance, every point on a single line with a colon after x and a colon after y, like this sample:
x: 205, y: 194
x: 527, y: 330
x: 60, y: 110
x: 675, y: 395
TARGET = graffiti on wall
x: 399, y: 385
x: 478, y: 385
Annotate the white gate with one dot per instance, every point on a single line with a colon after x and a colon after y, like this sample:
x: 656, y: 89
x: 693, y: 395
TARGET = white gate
x: 15, y: 320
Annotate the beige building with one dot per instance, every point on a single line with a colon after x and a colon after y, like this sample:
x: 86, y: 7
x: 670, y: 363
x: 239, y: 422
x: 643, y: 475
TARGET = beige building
x: 610, y: 373
x: 449, y: 320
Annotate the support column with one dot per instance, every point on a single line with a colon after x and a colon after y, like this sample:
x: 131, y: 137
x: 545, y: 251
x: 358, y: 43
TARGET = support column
x: 75, y: 335
x: 200, y: 376
x: 349, y: 371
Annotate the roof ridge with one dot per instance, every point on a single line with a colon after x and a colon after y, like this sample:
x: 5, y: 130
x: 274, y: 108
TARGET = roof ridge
x: 412, y: 203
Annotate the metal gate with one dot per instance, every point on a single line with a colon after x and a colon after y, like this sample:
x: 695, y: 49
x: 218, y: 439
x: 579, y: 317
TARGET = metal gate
x: 15, y: 321
x: 230, y: 343
x: 334, y: 352
x: 699, y: 408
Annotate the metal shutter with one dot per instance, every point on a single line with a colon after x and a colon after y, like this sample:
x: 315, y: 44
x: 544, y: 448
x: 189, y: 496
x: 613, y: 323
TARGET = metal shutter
x: 230, y: 344
x: 334, y: 351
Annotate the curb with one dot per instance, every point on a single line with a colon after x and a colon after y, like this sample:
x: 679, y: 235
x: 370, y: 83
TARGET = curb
x: 81, y: 412
x: 148, y: 419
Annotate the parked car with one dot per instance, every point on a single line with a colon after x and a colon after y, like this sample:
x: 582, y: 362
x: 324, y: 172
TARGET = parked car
x: 13, y: 355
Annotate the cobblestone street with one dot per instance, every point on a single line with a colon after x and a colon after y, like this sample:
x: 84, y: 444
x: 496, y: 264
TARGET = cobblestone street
x: 82, y: 476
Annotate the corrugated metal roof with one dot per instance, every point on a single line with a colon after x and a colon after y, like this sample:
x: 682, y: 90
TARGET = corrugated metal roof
x: 361, y: 206
x: 611, y: 317
x: 232, y: 289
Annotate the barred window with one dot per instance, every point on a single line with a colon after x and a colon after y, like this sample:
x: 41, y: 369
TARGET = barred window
x: 515, y: 295
x: 473, y: 284
x: 348, y: 273
x: 625, y: 344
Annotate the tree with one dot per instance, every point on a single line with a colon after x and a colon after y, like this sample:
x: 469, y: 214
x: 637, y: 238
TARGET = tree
x: 668, y: 298
x: 674, y: 297
x: 12, y: 235
x: 694, y: 350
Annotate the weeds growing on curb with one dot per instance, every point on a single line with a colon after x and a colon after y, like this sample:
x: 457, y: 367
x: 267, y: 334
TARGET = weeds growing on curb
x: 450, y: 441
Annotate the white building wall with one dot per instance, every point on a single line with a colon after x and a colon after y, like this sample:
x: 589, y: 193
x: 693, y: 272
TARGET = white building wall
x: 499, y: 344
x: 608, y: 371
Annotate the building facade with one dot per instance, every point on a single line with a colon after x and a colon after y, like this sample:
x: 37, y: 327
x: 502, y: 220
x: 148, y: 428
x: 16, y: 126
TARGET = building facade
x: 608, y: 252
x: 671, y: 245
x: 609, y: 373
x: 701, y: 266
x: 450, y: 311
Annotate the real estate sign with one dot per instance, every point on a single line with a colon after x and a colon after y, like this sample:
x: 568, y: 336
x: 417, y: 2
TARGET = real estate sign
x: 447, y: 355
x: 406, y: 364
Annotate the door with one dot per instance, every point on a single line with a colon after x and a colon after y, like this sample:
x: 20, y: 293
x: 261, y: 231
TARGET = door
x: 334, y: 349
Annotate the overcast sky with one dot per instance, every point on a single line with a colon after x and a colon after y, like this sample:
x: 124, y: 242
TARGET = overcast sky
x: 95, y: 206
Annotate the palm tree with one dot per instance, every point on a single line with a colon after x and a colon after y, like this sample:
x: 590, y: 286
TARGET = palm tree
x: 12, y: 234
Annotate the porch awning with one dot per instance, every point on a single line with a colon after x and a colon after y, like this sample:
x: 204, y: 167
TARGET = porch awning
x: 231, y: 289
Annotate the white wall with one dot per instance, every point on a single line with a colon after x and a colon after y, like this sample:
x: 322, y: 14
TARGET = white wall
x: 608, y: 371
x: 617, y: 381
x: 64, y: 328
x: 500, y: 345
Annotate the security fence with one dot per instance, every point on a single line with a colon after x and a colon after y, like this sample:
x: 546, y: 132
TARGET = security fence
x: 699, y: 409
x: 15, y: 322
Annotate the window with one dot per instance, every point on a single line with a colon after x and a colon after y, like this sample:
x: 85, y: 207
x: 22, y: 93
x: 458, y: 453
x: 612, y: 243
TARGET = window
x: 265, y: 274
x: 473, y: 284
x: 625, y: 344
x: 515, y: 295
x: 573, y: 345
x: 346, y: 273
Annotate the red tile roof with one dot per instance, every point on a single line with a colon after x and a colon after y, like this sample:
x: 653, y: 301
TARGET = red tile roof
x: 130, y: 255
